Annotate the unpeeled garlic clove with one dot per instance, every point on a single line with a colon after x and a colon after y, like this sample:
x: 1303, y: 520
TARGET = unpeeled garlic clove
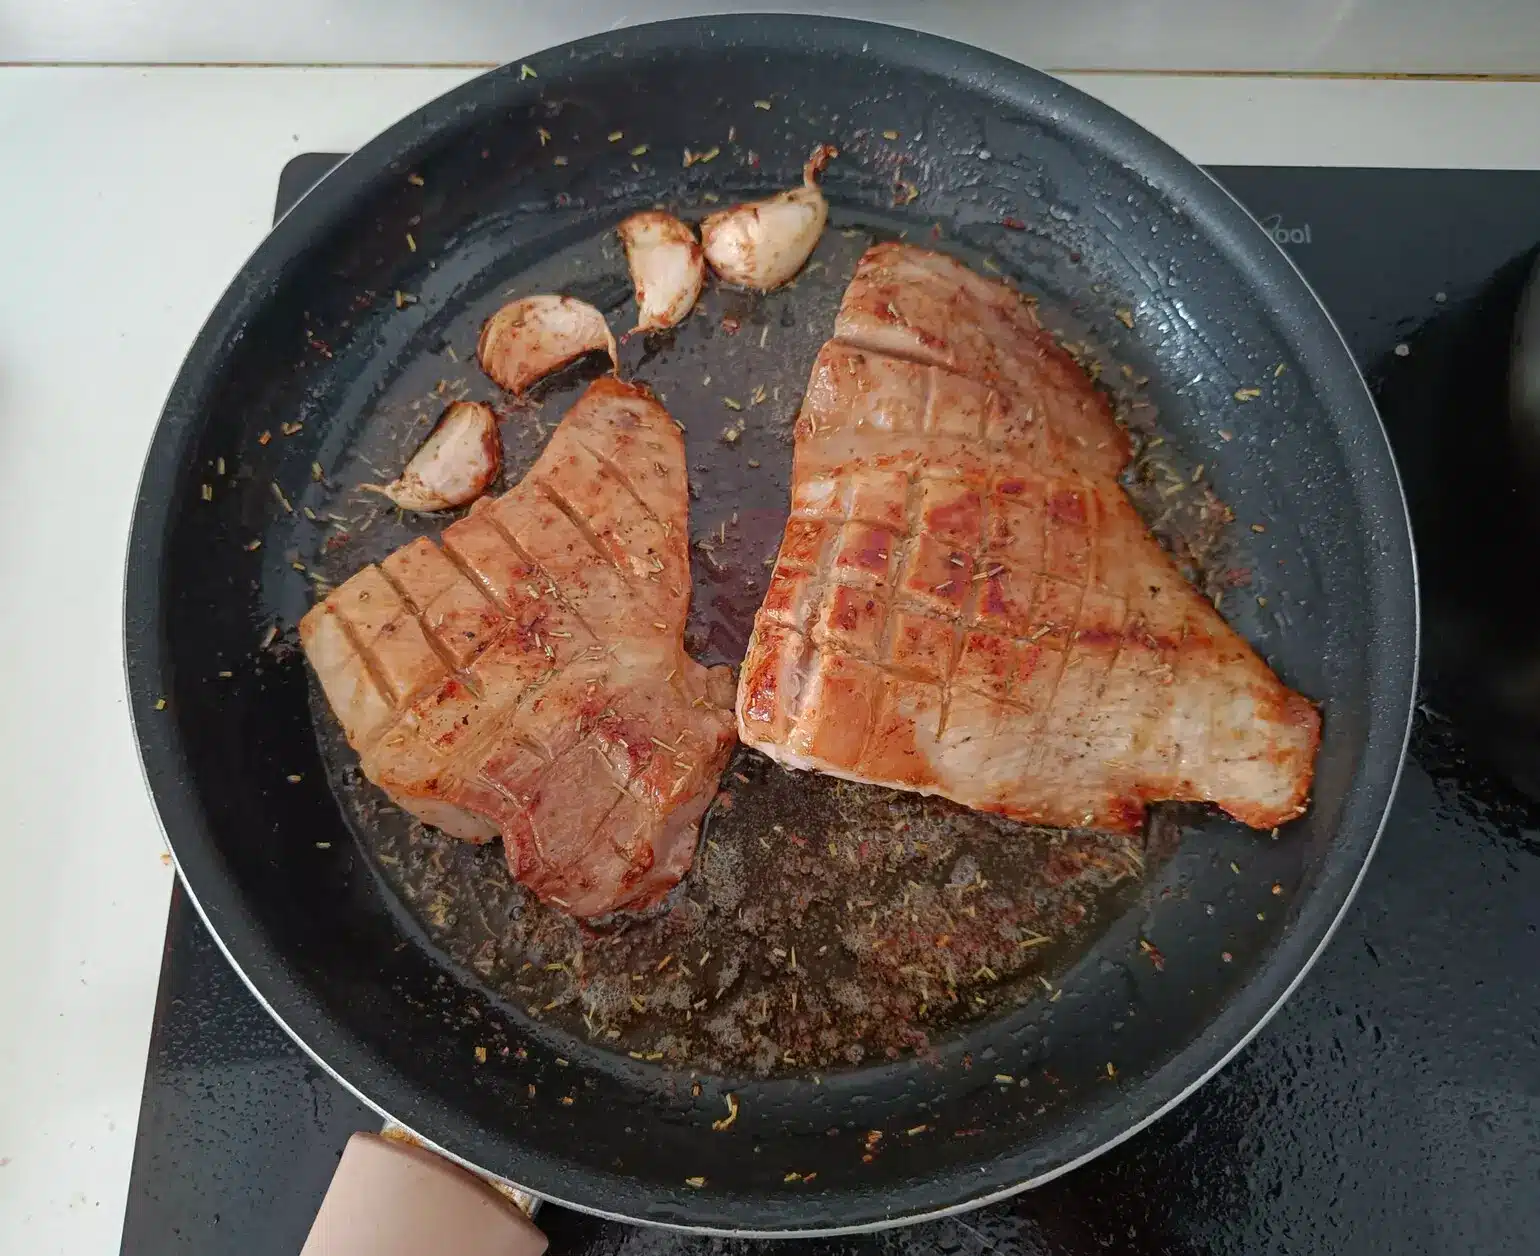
x: 762, y: 244
x: 667, y: 267
x: 459, y: 459
x: 528, y: 339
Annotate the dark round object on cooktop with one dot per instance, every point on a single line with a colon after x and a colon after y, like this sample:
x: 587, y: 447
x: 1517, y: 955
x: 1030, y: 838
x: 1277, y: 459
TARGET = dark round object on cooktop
x: 287, y: 375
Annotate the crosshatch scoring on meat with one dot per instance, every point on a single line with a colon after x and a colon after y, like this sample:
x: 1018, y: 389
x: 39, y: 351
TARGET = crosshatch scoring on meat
x: 824, y: 923
x: 527, y: 677
x: 965, y: 602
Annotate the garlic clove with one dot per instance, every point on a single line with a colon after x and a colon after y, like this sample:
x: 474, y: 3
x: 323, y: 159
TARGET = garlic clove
x: 528, y: 339
x: 762, y: 244
x: 667, y: 268
x: 461, y: 456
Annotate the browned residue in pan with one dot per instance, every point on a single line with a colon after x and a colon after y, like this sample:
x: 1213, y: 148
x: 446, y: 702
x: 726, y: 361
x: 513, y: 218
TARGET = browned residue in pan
x: 824, y: 924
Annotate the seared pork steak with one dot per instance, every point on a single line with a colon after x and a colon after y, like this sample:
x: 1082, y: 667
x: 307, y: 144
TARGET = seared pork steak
x: 965, y: 602
x: 527, y: 677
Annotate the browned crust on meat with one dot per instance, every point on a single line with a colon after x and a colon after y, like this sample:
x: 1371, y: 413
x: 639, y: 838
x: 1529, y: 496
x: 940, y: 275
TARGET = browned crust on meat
x: 526, y: 676
x: 965, y: 602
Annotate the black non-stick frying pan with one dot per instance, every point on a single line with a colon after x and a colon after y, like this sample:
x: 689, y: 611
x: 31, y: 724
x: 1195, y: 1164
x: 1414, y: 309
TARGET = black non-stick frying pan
x: 306, y: 376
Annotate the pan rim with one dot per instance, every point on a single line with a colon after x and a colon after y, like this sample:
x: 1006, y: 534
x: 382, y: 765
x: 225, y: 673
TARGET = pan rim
x: 286, y: 999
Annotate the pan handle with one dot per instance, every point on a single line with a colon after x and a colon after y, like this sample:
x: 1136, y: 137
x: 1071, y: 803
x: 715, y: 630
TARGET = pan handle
x: 392, y: 1198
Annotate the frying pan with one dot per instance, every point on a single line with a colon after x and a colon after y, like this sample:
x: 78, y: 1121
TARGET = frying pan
x: 296, y: 375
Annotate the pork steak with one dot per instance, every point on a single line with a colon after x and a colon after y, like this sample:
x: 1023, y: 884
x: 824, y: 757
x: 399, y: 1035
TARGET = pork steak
x: 965, y: 602
x: 527, y: 676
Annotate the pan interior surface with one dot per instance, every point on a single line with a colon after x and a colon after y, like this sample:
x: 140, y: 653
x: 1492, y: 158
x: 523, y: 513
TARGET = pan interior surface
x: 365, y: 300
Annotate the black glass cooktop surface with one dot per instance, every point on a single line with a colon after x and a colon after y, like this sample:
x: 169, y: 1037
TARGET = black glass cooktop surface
x: 1393, y: 1105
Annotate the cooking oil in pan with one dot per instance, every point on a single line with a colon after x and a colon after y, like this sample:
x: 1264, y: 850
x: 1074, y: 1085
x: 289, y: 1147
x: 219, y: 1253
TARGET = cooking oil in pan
x: 824, y: 924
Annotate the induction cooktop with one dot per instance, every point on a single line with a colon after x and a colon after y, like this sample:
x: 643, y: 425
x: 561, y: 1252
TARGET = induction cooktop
x: 1393, y: 1104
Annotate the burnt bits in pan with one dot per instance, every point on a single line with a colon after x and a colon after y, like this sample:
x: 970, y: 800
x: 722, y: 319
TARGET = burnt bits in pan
x: 825, y: 924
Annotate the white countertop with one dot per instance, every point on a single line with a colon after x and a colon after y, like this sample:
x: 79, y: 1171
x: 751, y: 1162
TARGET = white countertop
x: 132, y: 196
x: 1356, y: 36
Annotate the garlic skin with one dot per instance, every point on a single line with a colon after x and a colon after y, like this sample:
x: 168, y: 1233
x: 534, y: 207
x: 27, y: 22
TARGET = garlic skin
x: 762, y: 244
x: 668, y: 268
x: 528, y: 339
x: 461, y: 456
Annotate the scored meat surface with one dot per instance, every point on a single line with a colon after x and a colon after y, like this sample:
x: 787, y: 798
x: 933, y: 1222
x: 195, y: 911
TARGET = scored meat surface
x: 527, y: 676
x: 965, y: 602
